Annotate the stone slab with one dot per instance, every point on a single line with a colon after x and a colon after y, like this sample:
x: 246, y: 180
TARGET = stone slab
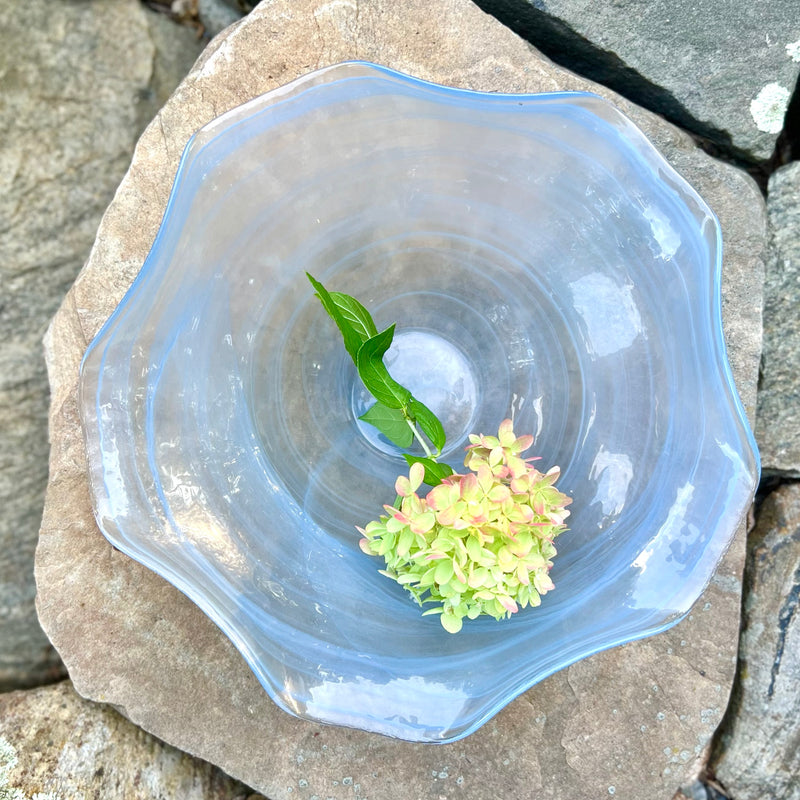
x: 633, y: 721
x: 55, y: 745
x: 757, y: 754
x: 778, y: 416
x: 725, y: 71
x: 79, y: 83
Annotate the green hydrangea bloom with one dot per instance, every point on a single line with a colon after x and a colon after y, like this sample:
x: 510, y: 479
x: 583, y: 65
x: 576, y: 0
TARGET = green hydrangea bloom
x: 478, y: 543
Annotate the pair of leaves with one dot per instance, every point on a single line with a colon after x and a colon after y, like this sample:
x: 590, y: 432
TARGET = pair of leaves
x: 396, y: 411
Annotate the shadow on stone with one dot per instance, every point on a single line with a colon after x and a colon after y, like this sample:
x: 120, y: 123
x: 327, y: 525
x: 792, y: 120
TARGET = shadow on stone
x: 569, y: 49
x: 755, y: 749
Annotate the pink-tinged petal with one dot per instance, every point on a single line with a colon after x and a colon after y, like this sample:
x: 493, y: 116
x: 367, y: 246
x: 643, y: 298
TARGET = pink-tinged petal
x: 423, y: 523
x: 364, y: 544
x: 501, y: 472
x: 435, y: 556
x: 520, y: 485
x: 443, y: 496
x: 508, y: 604
x: 485, y: 477
x: 459, y: 573
x: 469, y: 487
x: 542, y: 582
x: 416, y: 475
x: 525, y: 512
x: 436, y: 498
x: 489, y: 442
x: 516, y: 466
x: 550, y: 477
x: 476, y: 514
x: 522, y: 575
x: 506, y: 433
x: 500, y: 493
x: 447, y: 517
x: 534, y: 561
x: 520, y: 549
x: 496, y: 456
x: 473, y: 461
x: 523, y: 443
x: 403, y: 486
x: 394, y: 525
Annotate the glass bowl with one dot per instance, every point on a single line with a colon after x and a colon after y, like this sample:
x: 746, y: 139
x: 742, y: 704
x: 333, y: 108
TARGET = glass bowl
x: 543, y: 262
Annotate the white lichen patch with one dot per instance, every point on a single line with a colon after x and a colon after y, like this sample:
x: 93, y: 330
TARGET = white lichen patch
x: 8, y: 760
x: 793, y: 50
x: 768, y: 108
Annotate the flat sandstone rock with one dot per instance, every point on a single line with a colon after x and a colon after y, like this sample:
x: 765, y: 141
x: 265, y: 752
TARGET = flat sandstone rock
x: 54, y: 745
x: 632, y: 722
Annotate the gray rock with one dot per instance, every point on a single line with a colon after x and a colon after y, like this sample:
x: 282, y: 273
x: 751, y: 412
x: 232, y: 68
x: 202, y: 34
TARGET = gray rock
x: 54, y: 744
x: 78, y: 87
x: 700, y: 791
x: 757, y: 755
x: 216, y: 15
x: 633, y: 721
x: 725, y: 72
x: 778, y: 418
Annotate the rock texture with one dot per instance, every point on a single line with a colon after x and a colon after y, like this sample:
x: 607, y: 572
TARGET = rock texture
x: 778, y: 417
x: 54, y: 745
x: 757, y: 753
x: 630, y: 722
x: 724, y: 71
x: 216, y: 15
x: 79, y: 81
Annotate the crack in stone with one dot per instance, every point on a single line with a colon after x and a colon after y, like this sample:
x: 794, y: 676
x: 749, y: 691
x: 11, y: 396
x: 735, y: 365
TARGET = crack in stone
x: 565, y: 46
x: 785, y: 617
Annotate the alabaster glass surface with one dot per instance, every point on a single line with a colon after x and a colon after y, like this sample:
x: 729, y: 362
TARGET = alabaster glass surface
x: 543, y: 262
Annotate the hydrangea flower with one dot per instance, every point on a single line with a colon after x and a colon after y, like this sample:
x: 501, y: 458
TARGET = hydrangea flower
x: 478, y: 543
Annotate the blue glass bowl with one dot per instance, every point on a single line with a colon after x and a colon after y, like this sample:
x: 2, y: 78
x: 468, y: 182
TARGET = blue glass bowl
x: 543, y: 262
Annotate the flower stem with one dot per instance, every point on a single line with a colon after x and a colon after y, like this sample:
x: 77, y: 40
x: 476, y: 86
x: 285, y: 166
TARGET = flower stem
x: 414, y: 430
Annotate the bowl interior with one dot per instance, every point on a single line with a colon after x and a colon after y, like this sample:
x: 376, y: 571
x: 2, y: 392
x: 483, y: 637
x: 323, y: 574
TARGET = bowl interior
x: 542, y: 262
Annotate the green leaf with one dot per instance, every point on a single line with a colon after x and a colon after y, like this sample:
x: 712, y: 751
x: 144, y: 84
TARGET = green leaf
x: 428, y: 421
x: 359, y: 318
x: 391, y: 422
x: 434, y: 471
x: 376, y: 377
x: 352, y: 337
x: 396, y: 407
